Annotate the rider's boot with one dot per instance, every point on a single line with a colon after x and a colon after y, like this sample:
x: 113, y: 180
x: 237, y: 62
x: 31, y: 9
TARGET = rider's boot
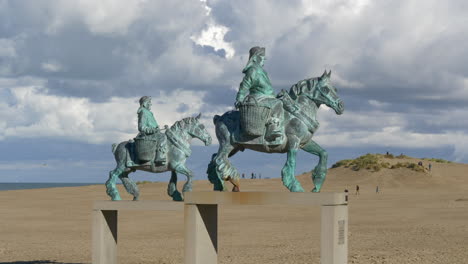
x: 160, y: 159
x: 273, y: 129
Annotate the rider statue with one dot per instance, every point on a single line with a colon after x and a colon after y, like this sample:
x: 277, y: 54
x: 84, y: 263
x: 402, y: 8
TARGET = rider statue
x: 149, y: 131
x: 256, y: 92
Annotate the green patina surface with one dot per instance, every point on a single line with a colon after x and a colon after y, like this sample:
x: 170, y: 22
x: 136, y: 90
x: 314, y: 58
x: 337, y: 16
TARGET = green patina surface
x: 272, y: 123
x: 155, y: 151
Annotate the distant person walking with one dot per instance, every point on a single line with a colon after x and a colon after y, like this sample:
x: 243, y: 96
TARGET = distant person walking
x: 377, y: 189
x: 357, y: 189
x: 252, y: 177
x: 430, y: 167
x: 243, y: 175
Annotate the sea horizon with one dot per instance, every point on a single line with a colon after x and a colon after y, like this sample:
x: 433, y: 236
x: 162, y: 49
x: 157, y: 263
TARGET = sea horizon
x: 9, y: 186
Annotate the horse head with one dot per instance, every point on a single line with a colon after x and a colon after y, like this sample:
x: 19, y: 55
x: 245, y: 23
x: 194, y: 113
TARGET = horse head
x: 198, y: 130
x: 326, y: 93
x: 320, y: 91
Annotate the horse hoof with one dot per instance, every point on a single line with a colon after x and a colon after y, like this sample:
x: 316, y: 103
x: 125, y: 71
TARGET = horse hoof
x: 300, y: 189
x: 115, y: 196
x: 135, y: 198
x: 297, y: 189
x: 235, y: 189
x: 177, y: 197
x: 315, y: 190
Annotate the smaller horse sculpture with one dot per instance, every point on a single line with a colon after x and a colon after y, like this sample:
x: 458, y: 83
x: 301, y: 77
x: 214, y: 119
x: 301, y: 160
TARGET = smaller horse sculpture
x: 300, y: 106
x: 178, y: 141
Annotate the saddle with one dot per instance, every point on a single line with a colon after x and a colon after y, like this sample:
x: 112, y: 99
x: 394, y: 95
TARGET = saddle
x: 290, y: 106
x: 153, y: 151
x: 238, y: 136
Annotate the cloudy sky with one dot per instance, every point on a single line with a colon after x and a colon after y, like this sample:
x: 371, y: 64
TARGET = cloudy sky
x: 71, y: 73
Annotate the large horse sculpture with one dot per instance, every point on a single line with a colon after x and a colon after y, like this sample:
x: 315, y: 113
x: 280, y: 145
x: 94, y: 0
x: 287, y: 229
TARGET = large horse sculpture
x: 178, y: 141
x: 300, y: 107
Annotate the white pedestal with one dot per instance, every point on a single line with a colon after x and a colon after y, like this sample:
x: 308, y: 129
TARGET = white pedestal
x: 201, y: 217
x: 201, y: 222
x: 105, y: 214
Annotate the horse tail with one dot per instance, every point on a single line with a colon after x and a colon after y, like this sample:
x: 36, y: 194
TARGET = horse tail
x: 114, y: 147
x: 215, y: 119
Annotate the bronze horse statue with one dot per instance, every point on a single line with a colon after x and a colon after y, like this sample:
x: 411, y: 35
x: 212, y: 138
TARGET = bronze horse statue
x: 178, y: 141
x: 300, y: 106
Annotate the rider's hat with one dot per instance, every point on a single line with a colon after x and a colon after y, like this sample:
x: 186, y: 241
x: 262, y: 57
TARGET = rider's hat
x: 255, y: 51
x: 144, y: 99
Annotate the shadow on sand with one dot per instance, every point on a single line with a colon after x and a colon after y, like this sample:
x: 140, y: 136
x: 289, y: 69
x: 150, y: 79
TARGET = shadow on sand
x: 37, y: 262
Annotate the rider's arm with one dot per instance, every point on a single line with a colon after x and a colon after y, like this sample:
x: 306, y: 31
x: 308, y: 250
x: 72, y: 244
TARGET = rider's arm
x: 143, y: 124
x: 246, y: 84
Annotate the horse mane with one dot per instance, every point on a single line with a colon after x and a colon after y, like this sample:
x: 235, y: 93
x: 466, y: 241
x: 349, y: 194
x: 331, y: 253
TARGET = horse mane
x: 303, y: 86
x: 181, y: 124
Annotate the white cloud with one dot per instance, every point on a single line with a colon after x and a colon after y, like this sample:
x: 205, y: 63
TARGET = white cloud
x: 378, y: 104
x: 51, y: 66
x: 105, y: 16
x: 207, y: 8
x: 343, y: 83
x: 213, y: 35
x: 36, y: 114
x: 7, y: 48
x: 368, y: 45
x: 394, y: 129
x: 396, y: 137
x: 325, y: 8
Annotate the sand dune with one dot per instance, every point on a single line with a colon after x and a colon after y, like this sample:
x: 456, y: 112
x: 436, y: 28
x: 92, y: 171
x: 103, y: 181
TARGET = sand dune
x: 417, y: 218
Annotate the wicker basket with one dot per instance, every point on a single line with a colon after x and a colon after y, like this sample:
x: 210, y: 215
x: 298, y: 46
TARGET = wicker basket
x: 145, y: 149
x: 253, y: 118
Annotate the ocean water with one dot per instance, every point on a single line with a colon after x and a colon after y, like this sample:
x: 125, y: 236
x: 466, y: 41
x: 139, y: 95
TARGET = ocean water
x: 4, y: 186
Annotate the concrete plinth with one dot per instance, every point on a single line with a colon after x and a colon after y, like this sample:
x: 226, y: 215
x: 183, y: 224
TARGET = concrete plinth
x: 201, y: 222
x: 105, y: 217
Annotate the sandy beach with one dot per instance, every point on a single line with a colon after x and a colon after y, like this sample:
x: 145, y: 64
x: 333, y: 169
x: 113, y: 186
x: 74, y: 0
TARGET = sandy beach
x: 416, y: 218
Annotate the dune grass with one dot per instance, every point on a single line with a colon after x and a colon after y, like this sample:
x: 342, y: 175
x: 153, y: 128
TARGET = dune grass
x: 409, y: 165
x: 437, y: 160
x: 368, y: 162
x: 143, y: 182
x: 401, y: 156
x: 374, y: 163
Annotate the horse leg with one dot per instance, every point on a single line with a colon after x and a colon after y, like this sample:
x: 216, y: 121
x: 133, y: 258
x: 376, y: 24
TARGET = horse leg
x: 213, y: 175
x: 187, y: 172
x: 320, y: 171
x: 234, y: 180
x: 287, y: 173
x: 129, y: 185
x: 111, y: 188
x: 236, y: 183
x: 224, y: 167
x: 172, y: 188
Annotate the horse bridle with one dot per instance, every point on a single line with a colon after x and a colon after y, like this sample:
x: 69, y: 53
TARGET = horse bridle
x: 199, y: 129
x: 323, y: 94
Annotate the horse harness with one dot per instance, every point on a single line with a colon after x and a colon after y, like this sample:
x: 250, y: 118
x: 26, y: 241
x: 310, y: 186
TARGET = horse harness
x: 293, y: 107
x: 177, y: 141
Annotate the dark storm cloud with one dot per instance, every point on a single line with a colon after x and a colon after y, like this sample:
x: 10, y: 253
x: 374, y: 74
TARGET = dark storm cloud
x: 82, y: 59
x: 398, y: 52
x: 397, y: 64
x: 407, y: 53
